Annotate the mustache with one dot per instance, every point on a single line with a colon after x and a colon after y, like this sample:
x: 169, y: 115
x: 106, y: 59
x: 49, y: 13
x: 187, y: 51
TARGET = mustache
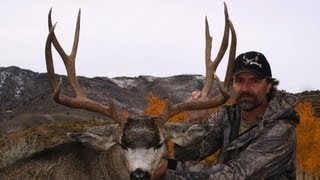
x: 246, y: 94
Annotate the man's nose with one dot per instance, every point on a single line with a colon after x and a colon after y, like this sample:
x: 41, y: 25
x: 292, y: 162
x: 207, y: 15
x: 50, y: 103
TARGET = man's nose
x: 245, y: 86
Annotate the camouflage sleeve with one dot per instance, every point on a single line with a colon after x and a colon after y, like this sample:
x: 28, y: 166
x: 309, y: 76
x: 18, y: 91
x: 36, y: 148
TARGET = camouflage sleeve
x: 271, y: 154
x: 190, y: 170
x: 208, y: 145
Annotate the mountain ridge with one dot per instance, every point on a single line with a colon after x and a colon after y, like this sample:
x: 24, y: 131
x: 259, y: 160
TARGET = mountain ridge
x: 25, y: 96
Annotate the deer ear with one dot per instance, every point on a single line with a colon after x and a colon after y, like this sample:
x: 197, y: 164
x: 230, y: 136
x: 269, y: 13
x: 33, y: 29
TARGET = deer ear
x: 99, y: 138
x: 186, y: 134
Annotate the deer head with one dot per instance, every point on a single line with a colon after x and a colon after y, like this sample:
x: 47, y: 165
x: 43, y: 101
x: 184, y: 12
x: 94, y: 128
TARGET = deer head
x: 141, y: 137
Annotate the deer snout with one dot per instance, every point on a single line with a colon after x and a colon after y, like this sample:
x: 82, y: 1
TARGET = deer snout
x: 140, y: 175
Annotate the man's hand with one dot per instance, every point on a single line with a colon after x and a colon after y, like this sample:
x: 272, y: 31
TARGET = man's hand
x: 161, y: 170
x: 195, y: 95
x: 196, y: 116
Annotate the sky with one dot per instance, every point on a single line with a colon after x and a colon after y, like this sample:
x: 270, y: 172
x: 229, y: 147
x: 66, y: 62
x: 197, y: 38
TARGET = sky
x: 164, y: 37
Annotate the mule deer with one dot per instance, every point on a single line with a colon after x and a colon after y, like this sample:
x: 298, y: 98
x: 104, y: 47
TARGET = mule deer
x: 129, y: 148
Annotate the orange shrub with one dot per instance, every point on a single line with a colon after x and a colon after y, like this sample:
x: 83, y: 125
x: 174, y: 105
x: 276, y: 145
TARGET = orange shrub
x: 308, y: 133
x: 156, y: 106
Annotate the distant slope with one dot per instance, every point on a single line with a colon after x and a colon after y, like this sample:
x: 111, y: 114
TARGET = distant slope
x: 26, y: 98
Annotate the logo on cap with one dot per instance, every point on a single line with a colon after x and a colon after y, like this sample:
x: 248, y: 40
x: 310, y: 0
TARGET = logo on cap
x: 252, y: 61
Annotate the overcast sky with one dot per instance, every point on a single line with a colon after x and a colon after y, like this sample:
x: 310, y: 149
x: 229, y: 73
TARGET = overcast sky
x: 164, y: 37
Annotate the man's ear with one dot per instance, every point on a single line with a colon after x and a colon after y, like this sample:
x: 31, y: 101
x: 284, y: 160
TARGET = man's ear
x: 99, y: 138
x: 269, y: 87
x: 186, y: 134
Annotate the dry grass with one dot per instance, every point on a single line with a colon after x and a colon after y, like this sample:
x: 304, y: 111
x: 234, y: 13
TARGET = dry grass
x: 306, y: 176
x: 16, y: 149
x: 21, y: 143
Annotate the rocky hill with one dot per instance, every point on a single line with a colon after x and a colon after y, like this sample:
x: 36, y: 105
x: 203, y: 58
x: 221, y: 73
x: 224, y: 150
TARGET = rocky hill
x: 26, y: 98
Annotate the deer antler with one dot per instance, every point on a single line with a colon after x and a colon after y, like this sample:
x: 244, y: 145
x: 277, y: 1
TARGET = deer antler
x: 204, y: 101
x: 80, y: 100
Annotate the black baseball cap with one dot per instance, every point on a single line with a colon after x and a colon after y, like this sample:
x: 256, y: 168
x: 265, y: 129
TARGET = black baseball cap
x: 252, y: 62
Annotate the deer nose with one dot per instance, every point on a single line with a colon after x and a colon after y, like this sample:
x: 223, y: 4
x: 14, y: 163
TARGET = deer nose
x: 139, y: 174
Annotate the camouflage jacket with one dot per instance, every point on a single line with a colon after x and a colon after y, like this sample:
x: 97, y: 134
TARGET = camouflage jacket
x: 264, y: 151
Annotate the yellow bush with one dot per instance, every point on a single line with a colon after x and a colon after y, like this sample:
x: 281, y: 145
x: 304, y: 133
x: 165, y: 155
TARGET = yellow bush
x: 308, y: 133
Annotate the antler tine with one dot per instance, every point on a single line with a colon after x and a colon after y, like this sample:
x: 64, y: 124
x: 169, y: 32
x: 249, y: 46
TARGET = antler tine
x: 232, y: 56
x: 204, y: 102
x: 49, y: 61
x: 80, y: 100
x: 69, y: 60
x: 211, y: 66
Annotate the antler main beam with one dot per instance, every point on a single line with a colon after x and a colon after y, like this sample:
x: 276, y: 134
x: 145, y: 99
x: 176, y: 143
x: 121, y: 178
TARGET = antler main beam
x: 80, y: 100
x: 204, y: 101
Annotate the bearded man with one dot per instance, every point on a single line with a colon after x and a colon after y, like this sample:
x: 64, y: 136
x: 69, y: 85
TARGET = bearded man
x: 255, y: 137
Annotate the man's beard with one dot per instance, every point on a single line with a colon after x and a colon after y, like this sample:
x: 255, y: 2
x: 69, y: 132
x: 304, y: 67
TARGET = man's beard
x: 247, y: 104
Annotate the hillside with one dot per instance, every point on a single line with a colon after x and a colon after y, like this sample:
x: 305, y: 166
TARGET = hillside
x: 26, y: 99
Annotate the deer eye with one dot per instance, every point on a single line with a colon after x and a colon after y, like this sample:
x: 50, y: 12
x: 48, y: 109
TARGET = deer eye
x: 157, y: 146
x: 123, y: 147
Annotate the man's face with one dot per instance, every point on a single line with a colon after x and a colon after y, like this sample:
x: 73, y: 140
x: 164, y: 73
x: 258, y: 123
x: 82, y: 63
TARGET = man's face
x: 250, y: 91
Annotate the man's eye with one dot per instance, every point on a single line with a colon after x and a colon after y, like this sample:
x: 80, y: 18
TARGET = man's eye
x: 256, y: 81
x: 237, y: 81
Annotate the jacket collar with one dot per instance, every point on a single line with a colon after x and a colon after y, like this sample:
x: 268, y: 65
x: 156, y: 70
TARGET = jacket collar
x: 280, y: 107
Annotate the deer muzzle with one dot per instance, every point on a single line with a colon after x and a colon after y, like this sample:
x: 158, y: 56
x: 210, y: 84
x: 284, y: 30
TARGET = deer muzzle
x: 139, y: 174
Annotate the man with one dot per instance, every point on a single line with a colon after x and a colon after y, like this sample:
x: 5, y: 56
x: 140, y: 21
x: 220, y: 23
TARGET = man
x: 255, y: 137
